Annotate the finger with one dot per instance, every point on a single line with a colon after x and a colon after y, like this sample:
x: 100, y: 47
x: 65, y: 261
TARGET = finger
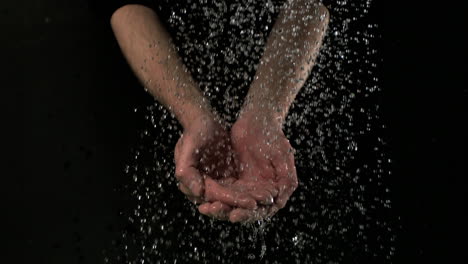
x: 189, y: 195
x: 205, y: 209
x: 220, y: 211
x: 184, y: 189
x: 177, y: 148
x: 286, y: 189
x: 274, y: 191
x: 195, y: 200
x: 186, y: 172
x: 271, y: 188
x: 216, y: 192
x: 191, y: 178
x: 254, y: 186
x: 263, y: 197
x: 287, y: 183
x: 216, y: 210
x: 240, y: 215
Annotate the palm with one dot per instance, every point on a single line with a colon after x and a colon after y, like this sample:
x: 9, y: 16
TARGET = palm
x: 267, y: 168
x: 205, y: 165
x: 247, y: 175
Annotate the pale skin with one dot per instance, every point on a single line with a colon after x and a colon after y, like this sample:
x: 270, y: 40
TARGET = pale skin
x: 248, y: 172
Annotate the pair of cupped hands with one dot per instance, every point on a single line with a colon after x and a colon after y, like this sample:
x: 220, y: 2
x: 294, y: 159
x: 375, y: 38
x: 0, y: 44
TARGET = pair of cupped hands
x: 243, y: 174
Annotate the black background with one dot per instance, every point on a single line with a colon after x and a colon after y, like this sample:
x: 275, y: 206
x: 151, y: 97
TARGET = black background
x: 67, y: 99
x: 423, y: 105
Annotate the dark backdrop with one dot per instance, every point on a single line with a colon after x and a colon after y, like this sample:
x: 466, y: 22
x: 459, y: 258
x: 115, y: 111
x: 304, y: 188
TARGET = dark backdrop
x: 67, y: 99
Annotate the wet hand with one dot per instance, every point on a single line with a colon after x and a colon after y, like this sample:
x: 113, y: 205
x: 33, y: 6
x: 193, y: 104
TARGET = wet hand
x: 205, y: 166
x: 266, y: 171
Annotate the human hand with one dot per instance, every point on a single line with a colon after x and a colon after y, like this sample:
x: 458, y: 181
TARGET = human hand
x: 205, y: 166
x: 266, y: 170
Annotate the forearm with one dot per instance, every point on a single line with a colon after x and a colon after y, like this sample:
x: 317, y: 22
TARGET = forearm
x: 289, y: 56
x: 148, y: 49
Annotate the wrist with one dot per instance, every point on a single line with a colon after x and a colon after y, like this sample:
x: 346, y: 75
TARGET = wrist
x: 256, y: 123
x: 192, y: 115
x: 258, y: 115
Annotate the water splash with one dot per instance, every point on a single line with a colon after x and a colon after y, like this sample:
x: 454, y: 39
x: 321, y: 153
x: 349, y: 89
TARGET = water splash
x: 341, y: 211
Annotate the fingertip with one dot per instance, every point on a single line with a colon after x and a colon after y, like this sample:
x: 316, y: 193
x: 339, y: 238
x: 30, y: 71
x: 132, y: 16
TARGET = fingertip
x: 220, y: 210
x: 262, y: 197
x: 216, y: 206
x: 240, y: 215
x: 219, y: 206
x: 248, y: 203
x: 204, y: 209
x: 235, y: 216
x: 233, y: 219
